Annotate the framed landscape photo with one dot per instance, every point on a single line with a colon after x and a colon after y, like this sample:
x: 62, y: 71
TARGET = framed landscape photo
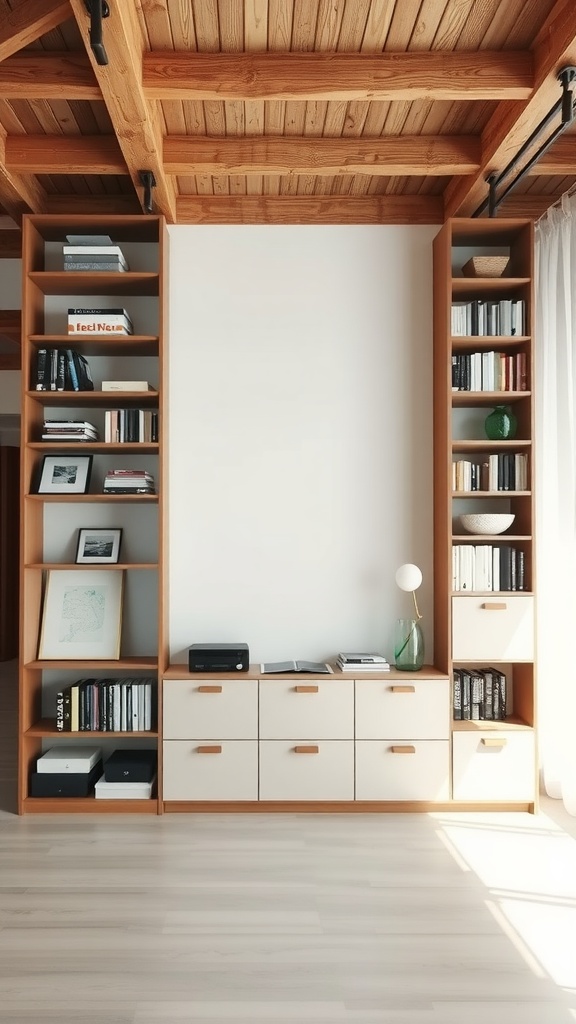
x: 82, y: 615
x: 99, y: 546
x: 65, y: 474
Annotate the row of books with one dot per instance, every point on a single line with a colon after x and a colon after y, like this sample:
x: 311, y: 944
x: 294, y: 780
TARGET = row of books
x: 99, y: 321
x: 61, y: 369
x: 489, y: 371
x: 106, y: 705
x: 129, y: 481
x: 362, y: 662
x: 488, y: 318
x: 479, y: 695
x: 502, y: 471
x: 122, y: 425
x: 488, y: 567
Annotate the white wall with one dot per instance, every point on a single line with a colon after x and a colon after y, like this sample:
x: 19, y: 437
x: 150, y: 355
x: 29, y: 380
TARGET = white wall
x: 300, y: 418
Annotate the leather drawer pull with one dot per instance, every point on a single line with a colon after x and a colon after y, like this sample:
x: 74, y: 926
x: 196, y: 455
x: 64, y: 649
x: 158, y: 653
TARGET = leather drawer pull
x: 403, y: 689
x: 406, y: 748
x: 494, y: 741
x: 495, y: 606
x: 209, y: 750
x: 209, y: 689
x: 306, y: 689
x: 306, y: 750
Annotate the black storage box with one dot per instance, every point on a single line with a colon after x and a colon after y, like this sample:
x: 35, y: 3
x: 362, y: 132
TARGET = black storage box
x: 65, y: 783
x: 131, y: 765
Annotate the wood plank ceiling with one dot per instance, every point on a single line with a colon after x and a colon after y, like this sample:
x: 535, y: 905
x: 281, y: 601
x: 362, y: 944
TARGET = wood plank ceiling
x: 280, y: 111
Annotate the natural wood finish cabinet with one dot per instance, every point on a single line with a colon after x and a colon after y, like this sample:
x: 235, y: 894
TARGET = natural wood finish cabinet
x: 483, y: 628
x: 49, y: 521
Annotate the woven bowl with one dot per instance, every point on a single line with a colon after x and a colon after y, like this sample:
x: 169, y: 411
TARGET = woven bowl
x: 485, y: 266
x: 489, y: 523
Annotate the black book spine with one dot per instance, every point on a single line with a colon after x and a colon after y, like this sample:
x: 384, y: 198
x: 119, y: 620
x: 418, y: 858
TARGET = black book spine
x: 41, y: 370
x: 60, y: 711
x: 53, y: 359
x: 457, y: 695
x: 520, y: 571
x: 61, y: 371
x: 155, y: 435
x: 67, y: 709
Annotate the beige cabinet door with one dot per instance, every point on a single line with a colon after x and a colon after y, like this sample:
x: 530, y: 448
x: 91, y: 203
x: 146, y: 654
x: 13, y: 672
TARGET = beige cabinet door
x: 307, y: 769
x: 407, y: 709
x: 402, y: 770
x: 210, y: 770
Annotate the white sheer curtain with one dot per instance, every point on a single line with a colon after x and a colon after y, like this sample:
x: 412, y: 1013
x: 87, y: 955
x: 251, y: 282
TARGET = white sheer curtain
x: 555, y: 466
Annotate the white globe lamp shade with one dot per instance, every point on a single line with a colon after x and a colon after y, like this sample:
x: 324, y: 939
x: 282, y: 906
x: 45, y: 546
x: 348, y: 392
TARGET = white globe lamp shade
x: 408, y: 577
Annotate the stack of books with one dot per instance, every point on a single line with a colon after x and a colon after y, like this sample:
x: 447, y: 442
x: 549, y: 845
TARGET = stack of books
x: 99, y: 321
x: 66, y: 771
x: 362, y: 663
x: 129, y: 481
x: 128, y: 775
x: 93, y: 253
x: 69, y: 430
x: 61, y: 369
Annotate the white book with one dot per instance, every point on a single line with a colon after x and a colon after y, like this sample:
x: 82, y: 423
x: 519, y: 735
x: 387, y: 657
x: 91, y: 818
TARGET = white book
x: 68, y: 760
x: 126, y: 385
x: 361, y: 658
x: 97, y: 250
x: 123, y: 790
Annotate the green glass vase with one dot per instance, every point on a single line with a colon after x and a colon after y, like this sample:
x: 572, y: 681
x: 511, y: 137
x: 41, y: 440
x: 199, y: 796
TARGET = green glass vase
x: 500, y: 424
x: 408, y: 645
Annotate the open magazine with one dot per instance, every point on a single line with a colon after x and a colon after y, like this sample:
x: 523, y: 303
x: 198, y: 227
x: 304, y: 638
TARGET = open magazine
x: 274, y: 667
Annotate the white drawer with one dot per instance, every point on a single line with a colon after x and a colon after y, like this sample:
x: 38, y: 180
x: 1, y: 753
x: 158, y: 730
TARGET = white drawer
x: 398, y: 770
x: 207, y: 708
x: 194, y: 771
x: 499, y: 628
x: 411, y: 709
x: 494, y: 766
x: 294, y: 708
x: 307, y: 770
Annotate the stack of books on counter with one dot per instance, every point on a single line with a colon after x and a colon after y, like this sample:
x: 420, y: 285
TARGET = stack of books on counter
x: 83, y: 320
x: 66, y: 771
x: 128, y: 775
x: 69, y: 430
x: 361, y: 662
x: 93, y: 253
x: 129, y: 481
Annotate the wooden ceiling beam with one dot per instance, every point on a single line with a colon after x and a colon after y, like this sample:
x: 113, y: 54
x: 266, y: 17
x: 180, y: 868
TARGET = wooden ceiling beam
x: 30, y: 20
x: 309, y: 210
x: 401, y: 155
x: 511, y: 124
x: 136, y: 121
x: 65, y: 154
x: 521, y: 205
x: 42, y: 75
x: 452, y: 75
x: 19, y: 194
x: 10, y: 245
x: 559, y: 159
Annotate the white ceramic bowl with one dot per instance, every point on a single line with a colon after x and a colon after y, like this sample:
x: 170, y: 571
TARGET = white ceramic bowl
x: 489, y: 523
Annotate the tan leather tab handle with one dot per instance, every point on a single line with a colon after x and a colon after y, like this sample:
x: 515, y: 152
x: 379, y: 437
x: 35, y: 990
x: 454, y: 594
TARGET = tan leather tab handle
x: 306, y: 689
x: 403, y: 689
x: 405, y: 748
x: 495, y: 606
x: 209, y: 689
x: 216, y: 749
x: 494, y: 741
x: 306, y: 750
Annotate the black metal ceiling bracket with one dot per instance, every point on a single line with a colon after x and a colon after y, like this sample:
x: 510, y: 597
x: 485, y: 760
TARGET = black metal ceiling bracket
x: 97, y: 9
x: 149, y: 181
x: 565, y: 107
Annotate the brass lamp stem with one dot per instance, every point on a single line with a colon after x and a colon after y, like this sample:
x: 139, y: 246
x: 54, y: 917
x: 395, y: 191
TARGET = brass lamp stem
x: 418, y: 616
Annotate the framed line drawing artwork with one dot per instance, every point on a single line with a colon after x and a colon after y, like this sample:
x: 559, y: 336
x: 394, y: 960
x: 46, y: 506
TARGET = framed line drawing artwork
x: 98, y: 546
x: 65, y: 474
x: 82, y: 615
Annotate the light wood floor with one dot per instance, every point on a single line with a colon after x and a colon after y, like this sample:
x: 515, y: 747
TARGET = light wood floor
x: 398, y: 919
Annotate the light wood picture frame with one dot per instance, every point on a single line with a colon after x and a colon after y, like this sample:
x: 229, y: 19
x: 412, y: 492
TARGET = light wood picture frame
x: 82, y: 615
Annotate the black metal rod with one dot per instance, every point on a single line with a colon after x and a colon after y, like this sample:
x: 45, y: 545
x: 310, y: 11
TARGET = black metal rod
x: 533, y: 160
x: 97, y: 10
x: 149, y: 181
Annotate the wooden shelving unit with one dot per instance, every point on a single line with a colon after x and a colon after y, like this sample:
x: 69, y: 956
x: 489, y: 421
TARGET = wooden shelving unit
x: 469, y: 634
x: 50, y: 521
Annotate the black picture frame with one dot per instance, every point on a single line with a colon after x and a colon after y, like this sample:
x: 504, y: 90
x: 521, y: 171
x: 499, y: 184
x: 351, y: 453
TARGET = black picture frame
x: 99, y: 545
x: 65, y: 474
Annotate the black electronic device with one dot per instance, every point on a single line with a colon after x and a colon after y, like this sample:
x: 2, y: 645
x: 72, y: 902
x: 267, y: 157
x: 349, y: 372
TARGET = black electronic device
x: 218, y: 658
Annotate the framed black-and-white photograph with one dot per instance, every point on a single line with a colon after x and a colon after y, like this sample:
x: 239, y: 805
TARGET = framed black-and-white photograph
x: 82, y: 614
x: 99, y: 545
x: 65, y: 474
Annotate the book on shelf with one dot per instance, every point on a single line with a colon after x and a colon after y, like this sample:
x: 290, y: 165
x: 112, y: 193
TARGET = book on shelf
x: 92, y: 250
x: 99, y: 321
x: 274, y: 667
x: 129, y: 482
x: 360, y: 662
x: 126, y: 385
x: 131, y: 425
x: 69, y: 430
x: 59, y: 369
x: 109, y: 705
